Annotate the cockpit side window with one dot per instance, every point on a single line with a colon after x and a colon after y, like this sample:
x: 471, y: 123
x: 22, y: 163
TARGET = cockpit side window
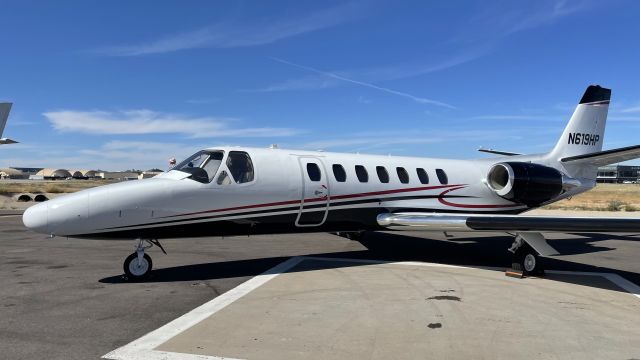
x: 202, y: 165
x: 194, y: 160
x: 240, y: 166
x: 223, y: 178
x: 213, y: 164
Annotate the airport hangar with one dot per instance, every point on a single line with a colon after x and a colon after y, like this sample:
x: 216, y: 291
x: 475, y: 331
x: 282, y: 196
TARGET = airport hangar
x: 18, y: 173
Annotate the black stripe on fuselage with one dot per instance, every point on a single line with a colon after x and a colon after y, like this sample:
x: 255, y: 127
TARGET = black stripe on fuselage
x: 352, y: 219
x: 320, y: 207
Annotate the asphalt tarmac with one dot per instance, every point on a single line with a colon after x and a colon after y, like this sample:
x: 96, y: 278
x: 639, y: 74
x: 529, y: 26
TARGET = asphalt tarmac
x: 65, y: 298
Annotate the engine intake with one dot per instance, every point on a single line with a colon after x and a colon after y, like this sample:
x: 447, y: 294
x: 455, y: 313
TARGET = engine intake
x: 527, y: 183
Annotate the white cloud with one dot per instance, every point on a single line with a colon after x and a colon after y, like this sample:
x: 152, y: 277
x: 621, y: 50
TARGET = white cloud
x: 547, y: 15
x: 624, y: 118
x: 138, y: 154
x: 303, y: 83
x: 518, y: 117
x: 335, y: 76
x: 386, y: 140
x: 240, y: 34
x: 386, y: 73
x: 113, y: 155
x: 153, y: 122
x: 633, y: 109
x: 498, y: 20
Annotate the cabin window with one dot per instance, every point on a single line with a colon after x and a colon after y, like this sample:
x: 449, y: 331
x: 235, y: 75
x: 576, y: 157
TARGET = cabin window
x: 362, y: 174
x: 383, y: 175
x: 313, y: 171
x: 202, y: 165
x: 403, y: 175
x: 339, y: 173
x: 422, y: 176
x: 442, y: 176
x: 240, y: 166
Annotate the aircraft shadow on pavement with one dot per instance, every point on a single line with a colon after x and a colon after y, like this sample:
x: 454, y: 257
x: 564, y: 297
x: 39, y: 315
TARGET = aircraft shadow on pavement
x: 468, y: 251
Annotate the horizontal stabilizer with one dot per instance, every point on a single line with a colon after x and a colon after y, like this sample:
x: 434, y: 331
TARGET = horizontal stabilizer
x: 498, y: 152
x: 504, y: 223
x: 6, y: 141
x: 606, y: 157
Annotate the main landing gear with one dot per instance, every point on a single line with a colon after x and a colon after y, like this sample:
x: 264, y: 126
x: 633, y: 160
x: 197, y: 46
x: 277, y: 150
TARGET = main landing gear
x: 138, y: 265
x: 527, y: 249
x: 525, y: 259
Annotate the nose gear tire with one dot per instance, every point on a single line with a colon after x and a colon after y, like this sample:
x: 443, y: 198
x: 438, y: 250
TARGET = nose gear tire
x: 135, y: 270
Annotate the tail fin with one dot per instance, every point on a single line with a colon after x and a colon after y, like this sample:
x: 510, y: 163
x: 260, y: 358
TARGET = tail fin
x: 5, y: 108
x: 585, y: 132
x: 4, y: 114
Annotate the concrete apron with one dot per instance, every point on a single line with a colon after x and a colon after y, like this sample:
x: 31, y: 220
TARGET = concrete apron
x: 321, y: 308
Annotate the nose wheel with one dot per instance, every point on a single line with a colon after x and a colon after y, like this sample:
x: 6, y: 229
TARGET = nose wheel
x: 136, y: 268
x: 138, y: 265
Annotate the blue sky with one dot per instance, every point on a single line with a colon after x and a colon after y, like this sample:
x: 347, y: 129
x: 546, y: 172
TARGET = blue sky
x: 121, y: 84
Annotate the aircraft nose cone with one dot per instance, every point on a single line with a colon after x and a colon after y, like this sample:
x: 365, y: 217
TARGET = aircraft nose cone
x: 35, y: 218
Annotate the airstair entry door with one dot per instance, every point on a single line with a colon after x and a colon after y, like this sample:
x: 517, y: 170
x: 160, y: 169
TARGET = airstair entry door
x: 315, y: 192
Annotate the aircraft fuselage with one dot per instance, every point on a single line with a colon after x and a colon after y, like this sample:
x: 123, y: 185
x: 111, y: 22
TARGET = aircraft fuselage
x: 282, y: 197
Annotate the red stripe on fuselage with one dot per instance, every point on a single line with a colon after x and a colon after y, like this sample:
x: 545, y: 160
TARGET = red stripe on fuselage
x: 469, y: 206
x: 337, y: 197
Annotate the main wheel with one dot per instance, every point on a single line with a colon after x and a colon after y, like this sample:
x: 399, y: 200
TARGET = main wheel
x: 530, y: 262
x: 136, y: 270
x: 526, y: 260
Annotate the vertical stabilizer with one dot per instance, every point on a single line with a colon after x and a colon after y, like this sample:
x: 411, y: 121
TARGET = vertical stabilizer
x: 585, y: 132
x: 4, y: 115
x: 5, y: 108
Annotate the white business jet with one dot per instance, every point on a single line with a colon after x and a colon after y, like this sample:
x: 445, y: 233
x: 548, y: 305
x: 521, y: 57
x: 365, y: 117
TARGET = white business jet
x: 5, y: 108
x: 240, y: 191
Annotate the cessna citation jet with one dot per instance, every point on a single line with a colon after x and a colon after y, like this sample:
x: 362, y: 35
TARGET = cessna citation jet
x: 5, y: 108
x: 239, y: 191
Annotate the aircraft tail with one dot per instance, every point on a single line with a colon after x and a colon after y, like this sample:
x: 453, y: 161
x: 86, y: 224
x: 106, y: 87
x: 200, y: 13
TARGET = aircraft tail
x: 5, y: 108
x: 4, y: 115
x: 585, y: 132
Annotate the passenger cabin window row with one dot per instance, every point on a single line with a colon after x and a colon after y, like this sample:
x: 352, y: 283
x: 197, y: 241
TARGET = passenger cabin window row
x: 383, y: 175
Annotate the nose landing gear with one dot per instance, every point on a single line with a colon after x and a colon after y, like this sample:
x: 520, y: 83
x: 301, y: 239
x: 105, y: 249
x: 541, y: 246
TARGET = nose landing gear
x: 138, y: 265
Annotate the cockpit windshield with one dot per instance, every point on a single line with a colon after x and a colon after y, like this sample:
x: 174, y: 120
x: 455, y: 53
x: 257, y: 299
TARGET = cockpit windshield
x: 202, y: 165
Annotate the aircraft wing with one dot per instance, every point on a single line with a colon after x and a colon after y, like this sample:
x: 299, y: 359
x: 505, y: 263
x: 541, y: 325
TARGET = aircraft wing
x: 498, y: 152
x: 506, y: 223
x: 606, y: 157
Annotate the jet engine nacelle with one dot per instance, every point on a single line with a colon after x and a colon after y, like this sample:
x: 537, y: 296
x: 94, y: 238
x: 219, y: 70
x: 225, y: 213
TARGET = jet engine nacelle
x: 528, y: 183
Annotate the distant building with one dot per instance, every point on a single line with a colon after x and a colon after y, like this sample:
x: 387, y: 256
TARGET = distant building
x: 11, y: 173
x: 84, y: 174
x: 121, y: 175
x: 51, y: 174
x: 17, y: 172
x: 27, y: 170
x: 61, y: 174
x: 617, y: 174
